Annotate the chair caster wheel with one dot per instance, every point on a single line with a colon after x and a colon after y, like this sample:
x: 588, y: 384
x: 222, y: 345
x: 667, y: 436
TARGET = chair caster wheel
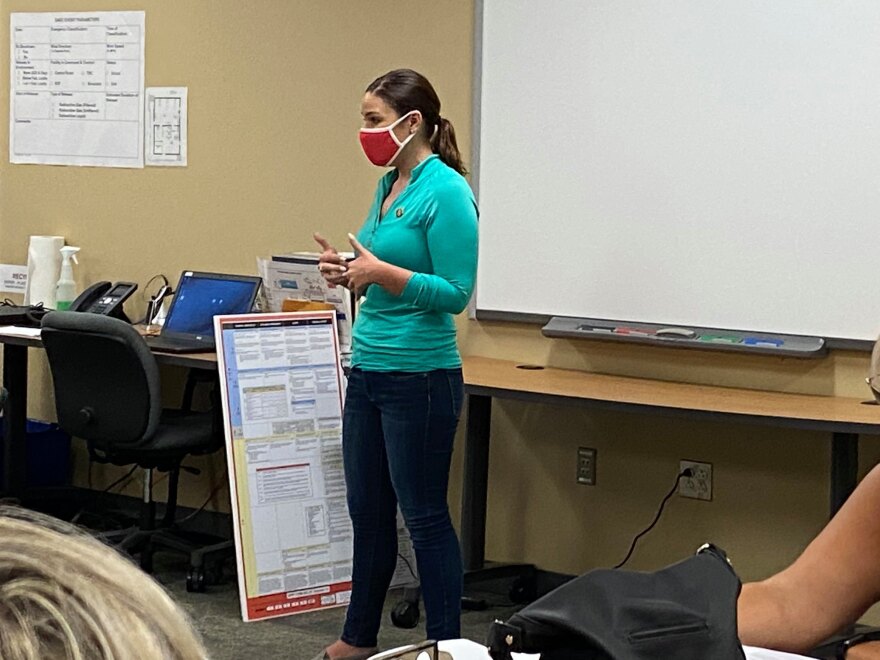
x: 196, y: 580
x: 405, y: 614
x: 215, y: 574
x: 523, y: 590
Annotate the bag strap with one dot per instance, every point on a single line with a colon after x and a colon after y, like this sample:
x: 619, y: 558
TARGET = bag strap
x: 854, y: 640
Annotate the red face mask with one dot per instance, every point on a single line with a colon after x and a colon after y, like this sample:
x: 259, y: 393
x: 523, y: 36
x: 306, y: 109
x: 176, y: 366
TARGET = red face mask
x: 381, y: 145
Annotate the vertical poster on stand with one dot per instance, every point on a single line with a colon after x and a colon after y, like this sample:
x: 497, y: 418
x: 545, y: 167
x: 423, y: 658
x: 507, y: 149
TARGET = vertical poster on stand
x: 282, y: 391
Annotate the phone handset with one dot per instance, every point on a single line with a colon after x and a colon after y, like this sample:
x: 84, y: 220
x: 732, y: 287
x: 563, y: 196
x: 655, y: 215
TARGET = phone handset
x: 104, y: 298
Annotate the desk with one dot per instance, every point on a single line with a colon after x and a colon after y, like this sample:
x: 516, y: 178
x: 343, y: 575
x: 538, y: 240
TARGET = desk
x: 15, y: 380
x: 485, y: 379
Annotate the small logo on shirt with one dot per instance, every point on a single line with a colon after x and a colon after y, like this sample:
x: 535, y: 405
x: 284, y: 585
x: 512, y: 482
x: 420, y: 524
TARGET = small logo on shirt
x: 399, y: 213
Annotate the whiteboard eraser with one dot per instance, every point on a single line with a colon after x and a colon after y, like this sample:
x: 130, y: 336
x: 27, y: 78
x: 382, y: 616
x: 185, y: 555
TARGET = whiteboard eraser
x: 676, y: 333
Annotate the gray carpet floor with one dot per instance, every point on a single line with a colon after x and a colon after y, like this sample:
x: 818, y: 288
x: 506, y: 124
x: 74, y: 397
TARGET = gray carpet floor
x: 217, y: 616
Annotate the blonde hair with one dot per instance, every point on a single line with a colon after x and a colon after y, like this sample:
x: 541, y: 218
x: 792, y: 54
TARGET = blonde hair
x: 66, y: 595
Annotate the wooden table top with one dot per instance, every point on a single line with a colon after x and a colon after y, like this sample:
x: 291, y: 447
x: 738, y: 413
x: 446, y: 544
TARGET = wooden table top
x: 192, y: 360
x: 507, y: 379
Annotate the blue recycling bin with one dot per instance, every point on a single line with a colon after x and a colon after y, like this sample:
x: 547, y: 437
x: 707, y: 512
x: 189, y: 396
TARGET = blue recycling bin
x: 48, y: 454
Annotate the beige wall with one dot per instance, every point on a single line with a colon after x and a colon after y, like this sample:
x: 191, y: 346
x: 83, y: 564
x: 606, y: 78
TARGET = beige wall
x: 274, y: 89
x: 274, y: 108
x: 771, y: 492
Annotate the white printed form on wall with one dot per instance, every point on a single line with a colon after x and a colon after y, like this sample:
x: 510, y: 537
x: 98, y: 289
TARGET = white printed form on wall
x: 165, y: 136
x: 76, y: 88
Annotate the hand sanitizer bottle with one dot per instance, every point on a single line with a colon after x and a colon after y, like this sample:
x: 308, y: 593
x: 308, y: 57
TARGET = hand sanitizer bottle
x: 65, y: 290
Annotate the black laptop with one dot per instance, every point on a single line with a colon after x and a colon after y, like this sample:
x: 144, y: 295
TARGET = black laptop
x: 199, y: 297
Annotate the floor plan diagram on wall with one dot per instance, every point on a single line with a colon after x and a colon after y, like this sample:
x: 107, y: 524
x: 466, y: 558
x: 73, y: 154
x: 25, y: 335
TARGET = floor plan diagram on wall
x: 166, y: 122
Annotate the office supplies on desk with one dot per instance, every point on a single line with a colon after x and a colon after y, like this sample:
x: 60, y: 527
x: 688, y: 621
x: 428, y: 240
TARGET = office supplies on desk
x: 295, y: 276
x: 20, y: 331
x: 44, y: 265
x: 24, y: 315
x: 189, y: 327
x: 104, y: 298
x: 65, y: 289
x: 156, y: 311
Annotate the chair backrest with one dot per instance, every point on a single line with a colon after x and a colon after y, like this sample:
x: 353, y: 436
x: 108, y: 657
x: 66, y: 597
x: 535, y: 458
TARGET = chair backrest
x: 106, y: 380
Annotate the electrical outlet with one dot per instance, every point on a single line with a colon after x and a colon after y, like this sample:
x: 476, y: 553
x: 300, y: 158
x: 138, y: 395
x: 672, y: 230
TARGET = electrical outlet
x: 698, y: 486
x: 586, y: 466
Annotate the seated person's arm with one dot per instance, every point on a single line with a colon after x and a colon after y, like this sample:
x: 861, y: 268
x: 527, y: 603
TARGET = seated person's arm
x: 866, y: 651
x: 828, y: 587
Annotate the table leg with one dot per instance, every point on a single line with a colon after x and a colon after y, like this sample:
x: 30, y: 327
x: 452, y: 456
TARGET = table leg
x: 844, y: 467
x: 475, y: 482
x: 15, y: 423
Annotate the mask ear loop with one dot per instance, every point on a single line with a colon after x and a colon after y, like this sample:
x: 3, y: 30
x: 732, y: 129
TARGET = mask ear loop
x: 400, y: 144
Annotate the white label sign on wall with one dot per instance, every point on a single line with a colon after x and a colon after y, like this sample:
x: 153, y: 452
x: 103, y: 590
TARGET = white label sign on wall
x: 13, y: 279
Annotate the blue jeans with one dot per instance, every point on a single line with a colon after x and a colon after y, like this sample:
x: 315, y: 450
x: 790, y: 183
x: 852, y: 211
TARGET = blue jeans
x: 398, y: 432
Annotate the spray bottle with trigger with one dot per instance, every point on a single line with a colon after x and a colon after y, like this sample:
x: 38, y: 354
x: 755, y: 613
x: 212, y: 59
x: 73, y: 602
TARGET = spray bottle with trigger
x: 65, y: 290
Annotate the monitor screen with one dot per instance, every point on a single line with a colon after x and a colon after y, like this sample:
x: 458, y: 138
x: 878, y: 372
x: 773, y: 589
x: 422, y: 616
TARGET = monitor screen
x: 199, y: 299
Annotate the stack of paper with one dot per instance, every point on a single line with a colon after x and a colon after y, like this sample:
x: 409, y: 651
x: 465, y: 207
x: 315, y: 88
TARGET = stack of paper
x: 295, y: 276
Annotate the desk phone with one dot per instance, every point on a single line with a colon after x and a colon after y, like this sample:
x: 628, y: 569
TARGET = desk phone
x: 104, y: 298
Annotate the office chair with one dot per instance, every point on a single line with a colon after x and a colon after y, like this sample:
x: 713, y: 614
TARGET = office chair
x: 107, y: 391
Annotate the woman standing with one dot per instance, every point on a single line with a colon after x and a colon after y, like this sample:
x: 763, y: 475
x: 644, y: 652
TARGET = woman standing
x: 415, y: 268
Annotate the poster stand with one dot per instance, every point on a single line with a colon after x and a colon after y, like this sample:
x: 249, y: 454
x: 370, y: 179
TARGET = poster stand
x: 282, y: 391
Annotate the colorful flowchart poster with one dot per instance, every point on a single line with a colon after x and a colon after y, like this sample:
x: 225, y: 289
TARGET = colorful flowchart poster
x: 282, y: 390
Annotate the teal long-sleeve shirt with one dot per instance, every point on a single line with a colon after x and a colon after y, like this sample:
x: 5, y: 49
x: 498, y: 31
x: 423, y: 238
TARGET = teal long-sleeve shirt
x: 430, y: 229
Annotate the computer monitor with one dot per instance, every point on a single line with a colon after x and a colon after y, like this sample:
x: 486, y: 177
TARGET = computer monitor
x: 200, y: 297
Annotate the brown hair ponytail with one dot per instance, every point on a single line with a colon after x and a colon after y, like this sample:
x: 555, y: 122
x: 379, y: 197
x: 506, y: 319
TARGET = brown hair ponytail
x: 406, y: 90
x: 445, y: 145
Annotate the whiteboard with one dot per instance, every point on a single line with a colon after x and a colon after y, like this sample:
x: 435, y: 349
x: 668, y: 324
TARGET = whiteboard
x: 707, y: 163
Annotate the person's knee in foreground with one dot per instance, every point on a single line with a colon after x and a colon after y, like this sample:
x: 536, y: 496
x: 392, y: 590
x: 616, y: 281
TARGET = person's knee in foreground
x: 834, y: 581
x: 415, y: 266
x: 66, y: 595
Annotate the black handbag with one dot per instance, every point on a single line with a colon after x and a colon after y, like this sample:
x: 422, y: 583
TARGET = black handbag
x: 686, y: 611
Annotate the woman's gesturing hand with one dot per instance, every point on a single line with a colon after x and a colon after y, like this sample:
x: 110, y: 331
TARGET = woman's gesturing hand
x: 331, y: 264
x: 363, y: 270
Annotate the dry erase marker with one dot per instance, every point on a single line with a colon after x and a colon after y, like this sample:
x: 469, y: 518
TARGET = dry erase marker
x: 592, y: 328
x: 720, y: 339
x: 763, y: 341
x: 635, y: 332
